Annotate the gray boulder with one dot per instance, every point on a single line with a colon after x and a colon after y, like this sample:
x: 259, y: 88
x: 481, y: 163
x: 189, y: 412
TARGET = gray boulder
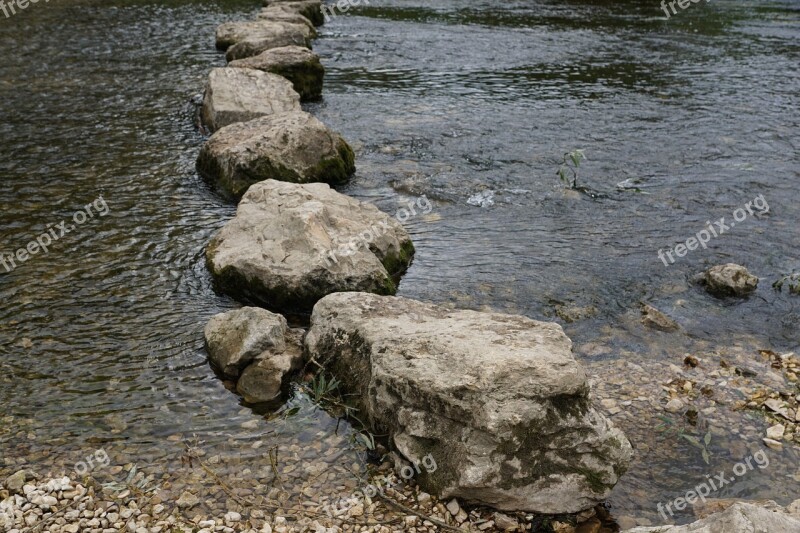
x: 236, y: 338
x: 311, y: 9
x: 297, y: 64
x: 729, y: 280
x: 294, y: 147
x: 245, y: 39
x: 498, y: 401
x: 231, y: 33
x: 267, y: 377
x: 289, y: 245
x: 238, y: 95
x: 256, y: 347
x: 276, y: 13
x: 739, y: 518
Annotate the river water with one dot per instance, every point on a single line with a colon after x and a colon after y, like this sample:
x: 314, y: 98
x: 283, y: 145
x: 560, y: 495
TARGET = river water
x: 471, y: 103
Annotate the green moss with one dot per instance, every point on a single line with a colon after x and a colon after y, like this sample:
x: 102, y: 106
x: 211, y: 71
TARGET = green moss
x: 595, y: 480
x: 396, y: 264
x: 527, y: 444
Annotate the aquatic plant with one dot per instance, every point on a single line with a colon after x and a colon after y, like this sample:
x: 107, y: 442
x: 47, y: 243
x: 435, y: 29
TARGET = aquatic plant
x: 792, y: 282
x: 325, y: 394
x: 669, y: 427
x: 571, y: 164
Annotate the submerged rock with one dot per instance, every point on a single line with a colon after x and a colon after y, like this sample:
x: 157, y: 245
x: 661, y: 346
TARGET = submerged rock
x: 238, y: 95
x: 497, y: 400
x: 729, y: 280
x: 655, y: 319
x: 289, y: 245
x: 297, y: 64
x: 293, y: 147
x: 739, y: 518
x: 257, y: 347
x: 311, y: 9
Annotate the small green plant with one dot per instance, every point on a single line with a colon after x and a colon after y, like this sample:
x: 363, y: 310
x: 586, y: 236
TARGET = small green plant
x: 669, y: 427
x: 702, y: 446
x: 792, y: 281
x: 570, y: 166
x: 322, y: 389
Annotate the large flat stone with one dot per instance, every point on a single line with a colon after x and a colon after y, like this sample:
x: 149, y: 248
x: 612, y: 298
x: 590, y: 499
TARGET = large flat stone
x: 297, y: 64
x: 293, y: 147
x: 280, y: 249
x: 498, y: 400
x: 238, y: 95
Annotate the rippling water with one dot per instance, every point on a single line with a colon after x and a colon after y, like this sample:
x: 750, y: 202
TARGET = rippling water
x: 682, y: 121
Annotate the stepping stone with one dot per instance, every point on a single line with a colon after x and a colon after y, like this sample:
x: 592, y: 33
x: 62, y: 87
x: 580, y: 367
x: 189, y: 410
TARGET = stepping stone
x: 230, y: 33
x: 290, y: 245
x: 293, y: 147
x: 497, y: 402
x: 245, y: 39
x: 311, y: 9
x: 297, y: 64
x: 257, y: 348
x: 238, y: 95
x: 278, y: 14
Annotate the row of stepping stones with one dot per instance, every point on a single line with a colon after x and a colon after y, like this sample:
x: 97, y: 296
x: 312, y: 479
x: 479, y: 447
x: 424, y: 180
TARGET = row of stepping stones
x: 498, y: 401
x: 281, y: 250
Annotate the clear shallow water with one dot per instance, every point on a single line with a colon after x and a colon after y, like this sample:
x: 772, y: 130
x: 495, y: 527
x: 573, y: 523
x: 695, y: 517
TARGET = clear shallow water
x: 450, y: 100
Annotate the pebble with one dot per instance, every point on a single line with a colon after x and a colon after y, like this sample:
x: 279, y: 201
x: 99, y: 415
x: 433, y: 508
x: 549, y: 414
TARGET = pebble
x: 776, y: 432
x: 674, y: 405
x: 452, y: 507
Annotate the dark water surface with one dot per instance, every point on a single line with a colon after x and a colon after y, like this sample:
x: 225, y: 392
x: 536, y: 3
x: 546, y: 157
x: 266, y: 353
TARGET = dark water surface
x: 471, y: 103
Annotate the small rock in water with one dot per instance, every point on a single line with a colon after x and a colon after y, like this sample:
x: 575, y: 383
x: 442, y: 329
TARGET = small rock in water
x: 655, y: 319
x: 608, y: 403
x: 729, y: 280
x: 187, y: 500
x: 776, y: 432
x: 673, y: 406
